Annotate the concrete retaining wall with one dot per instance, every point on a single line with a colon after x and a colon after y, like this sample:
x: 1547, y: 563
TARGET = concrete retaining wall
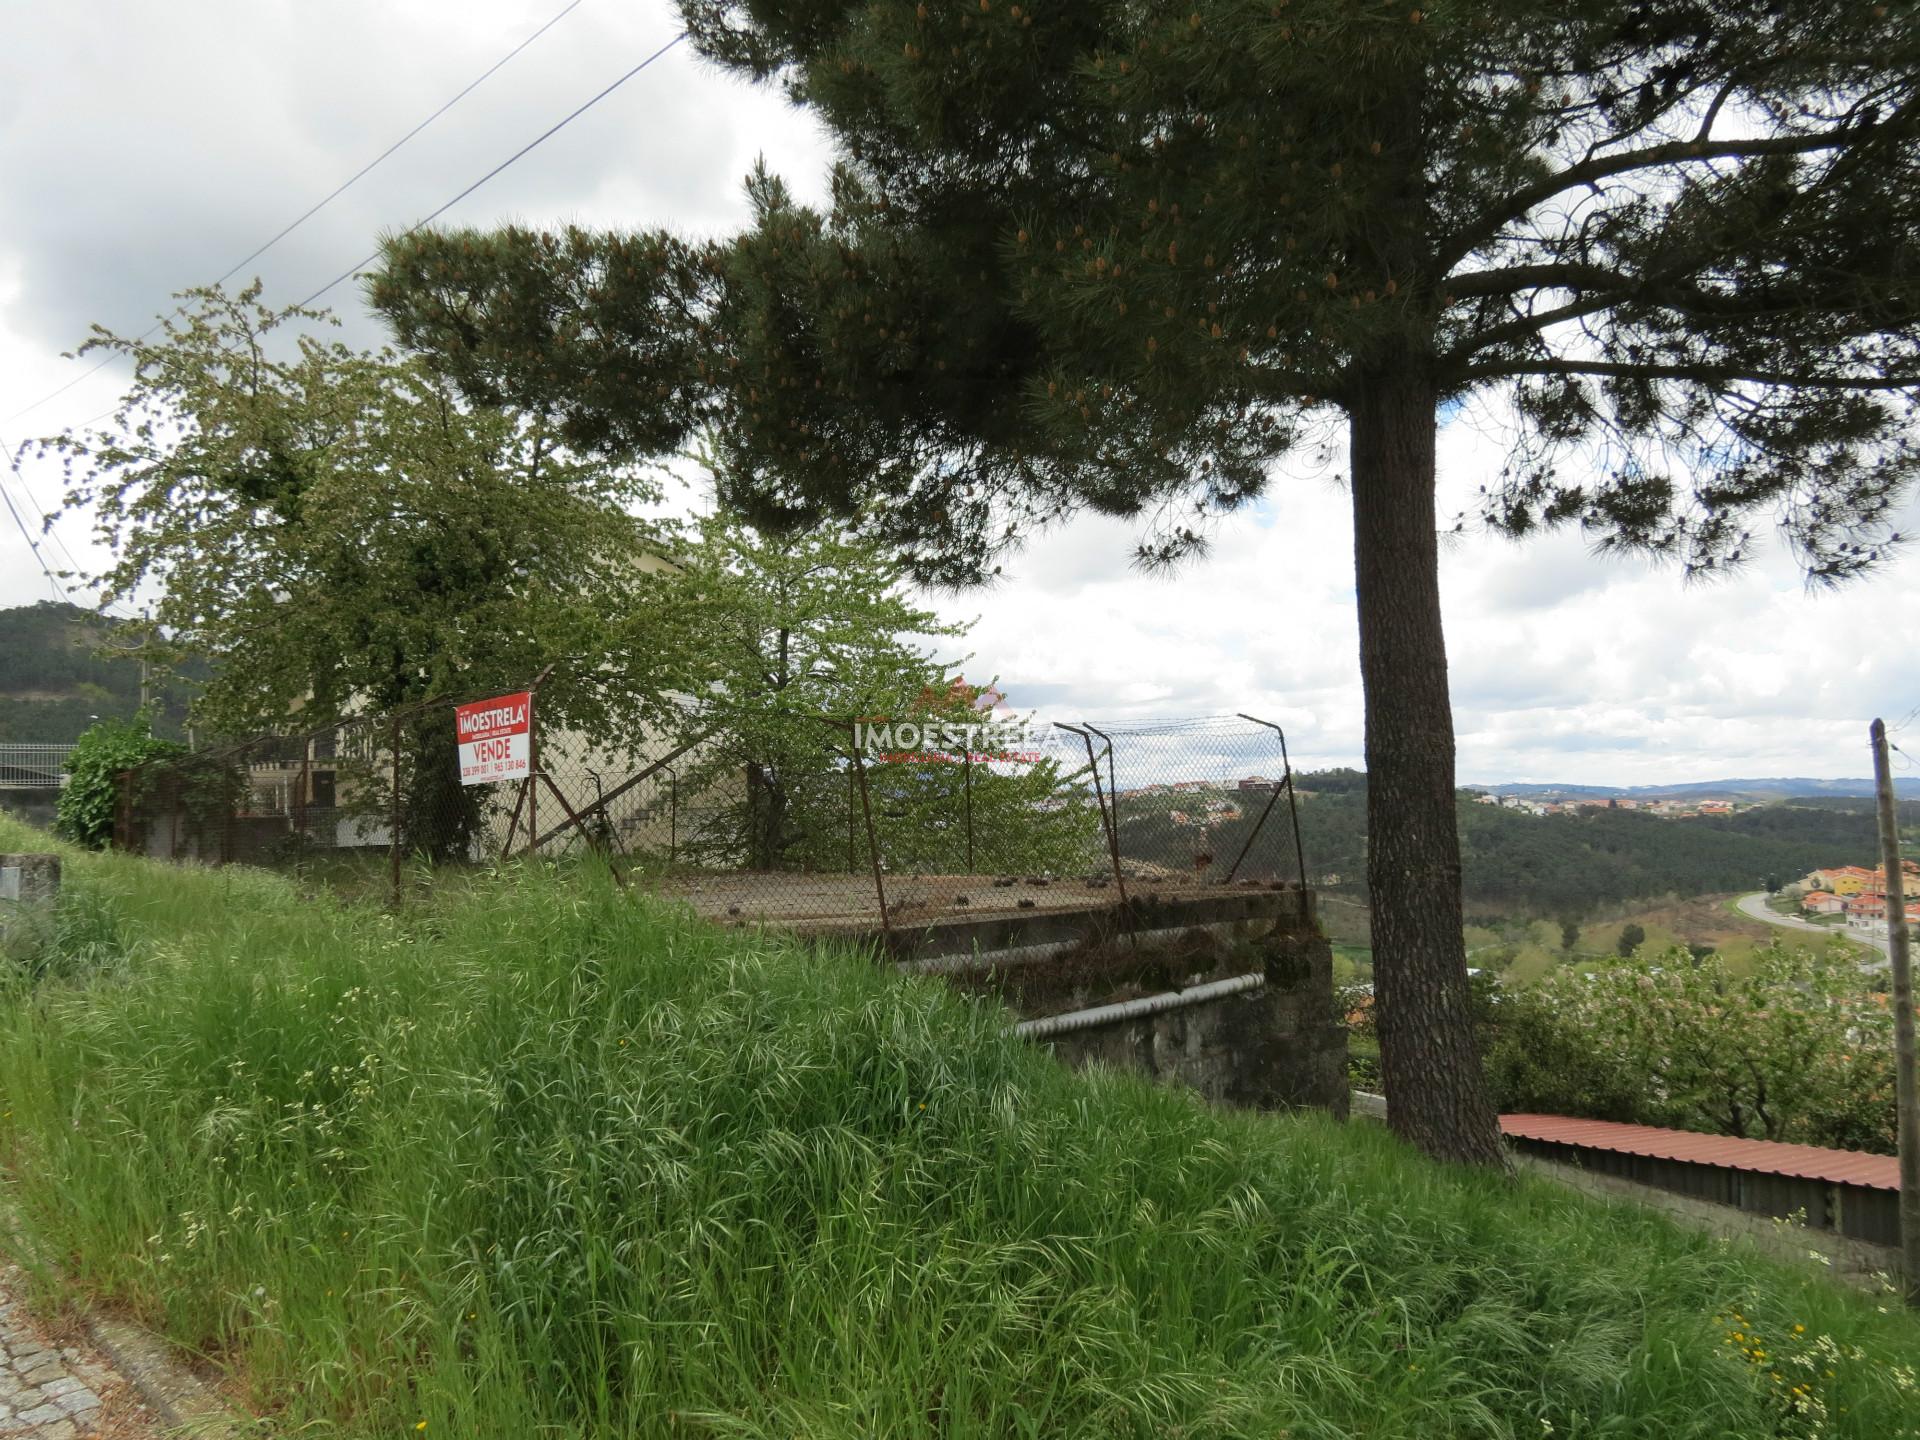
x: 1276, y: 1045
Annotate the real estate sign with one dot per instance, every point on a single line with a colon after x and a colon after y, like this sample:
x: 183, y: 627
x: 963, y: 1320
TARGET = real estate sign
x: 496, y: 738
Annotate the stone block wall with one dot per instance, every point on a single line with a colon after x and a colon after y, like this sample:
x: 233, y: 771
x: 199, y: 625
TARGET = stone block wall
x: 1277, y: 1047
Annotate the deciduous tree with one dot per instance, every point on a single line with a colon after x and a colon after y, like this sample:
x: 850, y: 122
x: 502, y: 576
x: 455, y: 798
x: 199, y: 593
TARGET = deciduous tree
x: 775, y: 636
x: 331, y: 531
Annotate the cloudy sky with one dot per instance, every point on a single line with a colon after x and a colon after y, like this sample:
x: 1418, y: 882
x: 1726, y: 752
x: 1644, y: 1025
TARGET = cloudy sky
x: 144, y: 148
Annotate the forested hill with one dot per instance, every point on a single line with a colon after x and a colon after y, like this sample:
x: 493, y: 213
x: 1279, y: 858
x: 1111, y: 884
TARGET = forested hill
x: 53, y: 680
x: 1566, y: 865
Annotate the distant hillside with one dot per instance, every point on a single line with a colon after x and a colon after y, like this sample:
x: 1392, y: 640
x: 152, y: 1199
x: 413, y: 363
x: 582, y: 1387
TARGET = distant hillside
x: 53, y: 681
x: 1774, y: 788
x: 1567, y: 864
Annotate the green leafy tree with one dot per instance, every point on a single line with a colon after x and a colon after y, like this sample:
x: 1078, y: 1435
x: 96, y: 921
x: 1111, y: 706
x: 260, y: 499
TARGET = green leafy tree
x: 776, y: 636
x: 781, y: 643
x: 1632, y: 936
x: 1124, y: 258
x: 91, y: 799
x: 1569, y: 935
x: 333, y: 532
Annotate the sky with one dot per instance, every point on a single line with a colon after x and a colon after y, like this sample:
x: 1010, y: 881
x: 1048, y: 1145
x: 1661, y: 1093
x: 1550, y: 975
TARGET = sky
x: 146, y: 148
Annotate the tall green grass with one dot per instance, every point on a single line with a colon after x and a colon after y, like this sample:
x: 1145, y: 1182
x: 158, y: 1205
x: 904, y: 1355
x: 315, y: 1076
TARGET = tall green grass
x: 549, y: 1160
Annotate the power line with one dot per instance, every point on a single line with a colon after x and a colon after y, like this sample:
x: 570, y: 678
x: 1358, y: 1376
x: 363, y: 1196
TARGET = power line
x: 34, y: 544
x: 333, y: 195
x: 531, y: 145
x: 59, y: 590
x: 347, y: 274
x: 34, y: 501
x: 519, y: 154
x: 356, y: 176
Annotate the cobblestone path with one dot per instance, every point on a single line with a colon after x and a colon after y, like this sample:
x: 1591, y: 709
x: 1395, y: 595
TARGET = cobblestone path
x: 58, y: 1390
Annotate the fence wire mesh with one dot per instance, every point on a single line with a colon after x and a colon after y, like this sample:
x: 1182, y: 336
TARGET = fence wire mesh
x: 812, y: 823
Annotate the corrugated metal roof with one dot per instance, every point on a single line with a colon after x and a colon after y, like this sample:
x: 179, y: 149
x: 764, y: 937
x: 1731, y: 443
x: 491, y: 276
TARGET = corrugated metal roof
x: 1806, y: 1162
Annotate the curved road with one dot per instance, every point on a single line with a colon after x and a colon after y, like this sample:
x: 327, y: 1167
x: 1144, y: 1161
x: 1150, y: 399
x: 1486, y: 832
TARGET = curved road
x: 1754, y: 907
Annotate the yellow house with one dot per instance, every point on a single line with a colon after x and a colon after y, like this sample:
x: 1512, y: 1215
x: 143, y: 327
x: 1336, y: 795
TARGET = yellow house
x: 1846, y: 879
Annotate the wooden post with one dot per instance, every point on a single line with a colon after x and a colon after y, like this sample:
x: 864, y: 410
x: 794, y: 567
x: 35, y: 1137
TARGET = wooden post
x: 1906, y: 1102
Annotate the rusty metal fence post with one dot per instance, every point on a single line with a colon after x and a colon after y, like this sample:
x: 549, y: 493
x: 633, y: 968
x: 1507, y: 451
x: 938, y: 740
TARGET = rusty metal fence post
x: 533, y: 764
x: 1108, y: 822
x: 852, y: 728
x: 1293, y: 808
x: 967, y: 760
x: 393, y: 830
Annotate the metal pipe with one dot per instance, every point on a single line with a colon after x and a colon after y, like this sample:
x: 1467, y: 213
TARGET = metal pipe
x: 1014, y: 956
x: 1113, y: 785
x: 1133, y: 1009
x: 1252, y: 835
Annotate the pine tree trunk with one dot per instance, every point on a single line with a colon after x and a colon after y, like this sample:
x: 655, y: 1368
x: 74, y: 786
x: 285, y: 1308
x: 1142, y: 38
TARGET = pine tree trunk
x: 1429, y: 1062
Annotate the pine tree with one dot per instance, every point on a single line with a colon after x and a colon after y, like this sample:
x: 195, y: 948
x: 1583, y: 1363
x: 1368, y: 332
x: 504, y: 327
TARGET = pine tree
x: 1085, y: 255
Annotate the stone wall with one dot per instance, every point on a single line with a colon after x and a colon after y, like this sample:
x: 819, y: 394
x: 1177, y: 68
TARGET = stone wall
x: 1278, y: 1046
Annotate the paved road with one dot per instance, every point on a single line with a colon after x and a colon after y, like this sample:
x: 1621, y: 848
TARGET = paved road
x: 1754, y: 907
x: 55, y: 1391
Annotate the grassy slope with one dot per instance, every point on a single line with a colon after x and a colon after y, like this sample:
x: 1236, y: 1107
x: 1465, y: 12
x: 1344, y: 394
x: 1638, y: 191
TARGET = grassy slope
x: 550, y: 1160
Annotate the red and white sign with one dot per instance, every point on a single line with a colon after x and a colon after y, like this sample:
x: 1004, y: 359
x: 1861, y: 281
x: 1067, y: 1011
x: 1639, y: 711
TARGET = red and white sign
x: 496, y: 738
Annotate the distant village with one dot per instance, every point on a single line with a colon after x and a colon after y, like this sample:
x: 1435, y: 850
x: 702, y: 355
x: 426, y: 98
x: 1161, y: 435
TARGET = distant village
x: 1859, y: 895
x: 1666, y: 809
x: 1213, y: 801
x: 1207, y: 802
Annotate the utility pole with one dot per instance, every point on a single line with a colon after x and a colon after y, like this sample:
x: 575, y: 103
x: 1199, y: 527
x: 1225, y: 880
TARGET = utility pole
x: 1907, y: 1102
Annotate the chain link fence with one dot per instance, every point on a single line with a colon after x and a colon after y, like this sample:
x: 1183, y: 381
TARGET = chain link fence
x: 808, y: 822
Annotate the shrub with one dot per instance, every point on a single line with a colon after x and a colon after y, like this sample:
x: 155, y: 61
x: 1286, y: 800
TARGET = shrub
x: 91, y: 799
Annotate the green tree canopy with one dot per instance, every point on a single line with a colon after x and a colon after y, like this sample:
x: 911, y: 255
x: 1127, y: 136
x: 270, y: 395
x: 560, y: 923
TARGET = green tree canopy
x: 331, y: 531
x: 1122, y: 257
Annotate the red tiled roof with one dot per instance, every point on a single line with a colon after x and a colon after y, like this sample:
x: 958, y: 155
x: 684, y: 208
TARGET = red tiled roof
x: 1805, y: 1162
